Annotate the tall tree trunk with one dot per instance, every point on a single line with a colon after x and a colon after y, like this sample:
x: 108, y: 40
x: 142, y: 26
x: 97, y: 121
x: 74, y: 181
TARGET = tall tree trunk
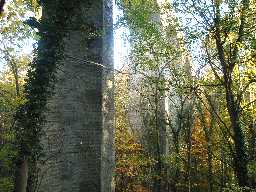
x: 240, y: 156
x: 240, y: 159
x: 189, y: 162
x: 161, y: 142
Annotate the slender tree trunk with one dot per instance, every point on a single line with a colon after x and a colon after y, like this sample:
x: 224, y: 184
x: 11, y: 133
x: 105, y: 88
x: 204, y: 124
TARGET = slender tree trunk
x: 175, y: 179
x: 209, y: 163
x: 189, y: 124
x: 208, y: 137
x: 240, y: 159
x: 16, y: 77
x: 21, y: 172
x: 223, y: 169
x: 189, y: 145
x: 14, y: 70
x: 17, y: 86
x: 1, y: 134
x: 158, y: 166
x: 160, y: 183
x: 2, y: 2
x: 21, y: 176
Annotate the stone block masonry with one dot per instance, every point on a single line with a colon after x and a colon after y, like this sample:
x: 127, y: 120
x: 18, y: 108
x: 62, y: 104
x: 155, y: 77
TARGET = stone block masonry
x: 78, y: 133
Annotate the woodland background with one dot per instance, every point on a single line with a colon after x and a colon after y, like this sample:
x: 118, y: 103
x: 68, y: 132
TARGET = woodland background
x: 184, y: 102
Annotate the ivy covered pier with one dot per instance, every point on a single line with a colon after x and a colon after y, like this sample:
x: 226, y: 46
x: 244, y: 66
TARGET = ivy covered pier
x: 74, y: 68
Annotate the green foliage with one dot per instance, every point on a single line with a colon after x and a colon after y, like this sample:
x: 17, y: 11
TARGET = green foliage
x: 159, y: 61
x: 226, y: 38
x: 200, y: 149
x: 236, y: 188
x: 132, y: 163
x: 9, y: 102
x: 252, y: 169
x: 213, y: 139
x: 14, y: 36
x: 6, y: 184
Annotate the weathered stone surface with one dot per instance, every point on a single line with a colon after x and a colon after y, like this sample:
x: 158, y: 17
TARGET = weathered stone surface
x: 78, y: 133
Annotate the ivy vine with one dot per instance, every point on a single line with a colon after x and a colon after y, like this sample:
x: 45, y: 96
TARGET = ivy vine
x: 30, y: 117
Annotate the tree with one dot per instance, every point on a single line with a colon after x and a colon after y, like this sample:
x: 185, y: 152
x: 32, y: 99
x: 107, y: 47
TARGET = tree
x: 132, y: 162
x: 14, y: 34
x: 161, y: 71
x: 226, y: 34
x: 2, y: 2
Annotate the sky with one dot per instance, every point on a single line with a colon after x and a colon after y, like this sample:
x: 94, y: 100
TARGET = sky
x: 121, y: 45
x: 27, y: 44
